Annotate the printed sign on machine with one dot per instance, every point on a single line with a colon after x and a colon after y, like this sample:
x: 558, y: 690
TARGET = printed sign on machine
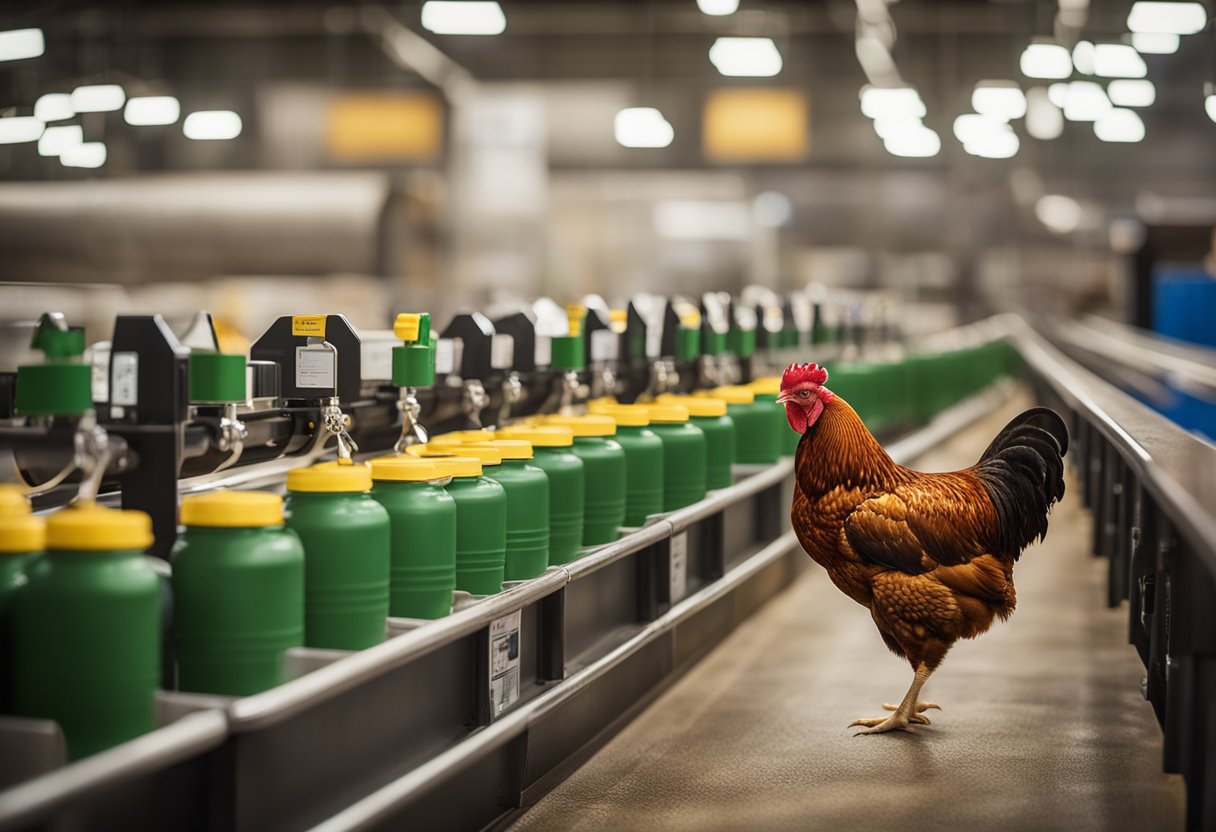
x: 504, y: 663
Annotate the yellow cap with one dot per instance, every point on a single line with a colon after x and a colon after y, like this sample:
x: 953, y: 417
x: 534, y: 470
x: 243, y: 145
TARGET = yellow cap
x: 331, y: 477
x: 458, y: 437
x: 626, y: 415
x: 93, y: 528
x: 488, y: 454
x: 732, y: 394
x: 406, y: 326
x: 409, y: 469
x: 541, y: 436
x: 666, y: 412
x: 22, y: 533
x: 767, y: 386
x: 691, y: 318
x: 601, y: 404
x: 574, y: 314
x: 464, y: 466
x: 697, y: 406
x: 619, y: 316
x: 13, y: 502
x: 233, y: 510
x: 593, y: 425
x: 509, y: 448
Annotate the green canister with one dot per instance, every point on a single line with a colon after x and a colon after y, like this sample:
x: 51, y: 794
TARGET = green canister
x: 345, y: 534
x: 767, y: 390
x: 22, y: 538
x: 604, y: 475
x: 756, y: 442
x: 423, y: 519
x: 684, y: 455
x: 238, y: 593
x: 709, y: 414
x: 527, y: 488
x: 86, y: 629
x: 643, y: 460
x: 481, y: 524
x: 551, y: 452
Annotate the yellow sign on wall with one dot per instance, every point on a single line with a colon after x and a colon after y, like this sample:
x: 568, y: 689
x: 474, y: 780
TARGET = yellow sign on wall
x: 755, y: 125
x: 379, y: 126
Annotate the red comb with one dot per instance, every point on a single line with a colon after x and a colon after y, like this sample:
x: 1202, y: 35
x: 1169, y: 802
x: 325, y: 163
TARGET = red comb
x: 800, y: 373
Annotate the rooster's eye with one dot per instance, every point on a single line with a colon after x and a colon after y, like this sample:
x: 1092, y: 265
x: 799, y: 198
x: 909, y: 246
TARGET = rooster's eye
x: 804, y: 394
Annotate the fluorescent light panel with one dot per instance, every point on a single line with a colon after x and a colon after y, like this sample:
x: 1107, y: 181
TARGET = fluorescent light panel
x: 918, y: 143
x: 463, y: 17
x: 54, y: 106
x: 890, y: 102
x: 1171, y: 18
x: 1119, y: 125
x: 152, y: 110
x: 97, y: 98
x: 1155, y: 43
x: 212, y: 125
x: 746, y: 57
x: 86, y: 155
x: 19, y: 129
x: 1044, y: 121
x: 1086, y: 101
x: 1083, y: 57
x: 718, y: 7
x: 1137, y: 92
x: 1046, y: 60
x: 55, y: 140
x: 642, y: 127
x: 19, y: 44
x: 999, y: 99
x: 1118, y: 60
x: 1209, y: 104
x: 1060, y: 214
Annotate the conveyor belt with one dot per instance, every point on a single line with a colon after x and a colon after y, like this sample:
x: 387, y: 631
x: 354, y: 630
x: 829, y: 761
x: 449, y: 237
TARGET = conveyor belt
x: 1044, y: 727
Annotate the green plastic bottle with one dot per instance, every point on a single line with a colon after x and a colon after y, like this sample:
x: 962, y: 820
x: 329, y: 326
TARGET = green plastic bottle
x: 345, y: 534
x: 423, y: 519
x: 684, y: 455
x: 709, y: 414
x: 86, y: 629
x: 551, y: 452
x: 527, y: 488
x: 756, y: 442
x: 238, y: 593
x: 604, y: 475
x: 481, y: 526
x: 767, y: 390
x: 22, y: 539
x: 643, y: 460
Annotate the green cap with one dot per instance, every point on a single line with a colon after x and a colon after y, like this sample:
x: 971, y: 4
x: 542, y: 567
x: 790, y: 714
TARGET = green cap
x: 742, y: 342
x: 567, y: 353
x: 414, y: 360
x: 688, y: 343
x: 63, y: 385
x: 216, y: 377
x: 713, y: 342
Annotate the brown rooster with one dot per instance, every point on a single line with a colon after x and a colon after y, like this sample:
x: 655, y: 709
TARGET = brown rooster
x: 931, y: 555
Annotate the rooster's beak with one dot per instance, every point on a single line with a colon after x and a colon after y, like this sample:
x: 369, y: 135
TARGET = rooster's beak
x: 785, y: 397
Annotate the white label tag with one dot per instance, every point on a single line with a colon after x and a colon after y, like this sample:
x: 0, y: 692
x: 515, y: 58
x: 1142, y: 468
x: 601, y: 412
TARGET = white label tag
x: 504, y: 663
x: 445, y: 356
x: 124, y: 378
x: 605, y: 345
x: 376, y: 360
x: 544, y: 351
x: 315, y: 367
x: 101, y: 375
x: 679, y: 567
x: 502, y: 351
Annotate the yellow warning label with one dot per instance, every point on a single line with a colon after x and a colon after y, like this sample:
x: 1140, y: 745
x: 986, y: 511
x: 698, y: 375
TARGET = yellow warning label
x: 313, y: 325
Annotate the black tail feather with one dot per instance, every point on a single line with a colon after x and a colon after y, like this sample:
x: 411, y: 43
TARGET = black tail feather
x: 1023, y: 472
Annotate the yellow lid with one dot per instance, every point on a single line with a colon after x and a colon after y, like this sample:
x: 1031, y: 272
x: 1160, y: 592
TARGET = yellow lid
x: 620, y: 317
x: 331, y: 477
x: 575, y: 313
x: 509, y: 448
x: 13, y: 502
x: 732, y: 394
x: 626, y: 415
x: 464, y: 466
x: 232, y: 510
x: 667, y: 412
x: 487, y: 454
x: 696, y: 405
x: 601, y: 404
x: 93, y: 528
x: 458, y: 437
x: 409, y: 469
x: 767, y: 386
x: 22, y: 533
x: 541, y: 436
x: 406, y: 326
x: 592, y: 425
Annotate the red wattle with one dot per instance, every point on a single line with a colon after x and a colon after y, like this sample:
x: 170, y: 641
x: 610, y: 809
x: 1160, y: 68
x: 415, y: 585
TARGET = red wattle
x: 796, y: 415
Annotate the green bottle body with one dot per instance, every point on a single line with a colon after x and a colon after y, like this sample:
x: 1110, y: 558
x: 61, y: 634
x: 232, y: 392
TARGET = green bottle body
x: 345, y: 536
x: 86, y: 646
x: 756, y: 440
x: 643, y: 472
x: 603, y: 488
x: 12, y: 578
x: 719, y: 448
x: 683, y: 463
x: 422, y: 574
x: 783, y: 436
x: 238, y: 606
x: 567, y: 498
x: 527, y: 488
x: 481, y: 534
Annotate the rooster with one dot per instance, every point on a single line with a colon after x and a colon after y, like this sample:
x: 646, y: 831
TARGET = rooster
x: 930, y: 555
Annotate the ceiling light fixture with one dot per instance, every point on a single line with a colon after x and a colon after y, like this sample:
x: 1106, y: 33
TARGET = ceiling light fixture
x: 151, y: 110
x: 746, y: 57
x: 1170, y: 18
x: 918, y: 143
x: 86, y: 155
x: 886, y: 102
x: 1138, y: 92
x: 212, y: 125
x: 54, y: 106
x: 463, y: 17
x: 1046, y: 60
x: 642, y: 127
x: 97, y: 98
x: 17, y: 129
x: 19, y: 44
x: 718, y: 8
x: 55, y: 140
x: 999, y: 99
x: 1155, y: 43
x: 1119, y: 125
x: 1086, y: 101
x: 1044, y: 121
x: 1118, y: 60
x: 1083, y: 57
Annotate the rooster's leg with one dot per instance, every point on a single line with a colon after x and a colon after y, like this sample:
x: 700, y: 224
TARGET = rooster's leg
x: 908, y: 711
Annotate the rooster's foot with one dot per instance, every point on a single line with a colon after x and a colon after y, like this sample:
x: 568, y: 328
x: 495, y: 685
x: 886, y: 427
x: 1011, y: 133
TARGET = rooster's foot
x: 920, y: 708
x: 894, y: 722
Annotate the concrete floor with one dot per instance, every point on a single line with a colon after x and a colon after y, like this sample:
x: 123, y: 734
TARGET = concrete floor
x: 1044, y: 727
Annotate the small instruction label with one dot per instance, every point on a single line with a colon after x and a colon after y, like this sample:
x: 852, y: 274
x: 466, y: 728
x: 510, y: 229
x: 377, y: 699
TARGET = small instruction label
x: 504, y: 663
x: 679, y: 567
x: 315, y: 367
x: 502, y: 351
x: 445, y: 352
x: 124, y: 378
x: 376, y: 360
x: 313, y: 325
